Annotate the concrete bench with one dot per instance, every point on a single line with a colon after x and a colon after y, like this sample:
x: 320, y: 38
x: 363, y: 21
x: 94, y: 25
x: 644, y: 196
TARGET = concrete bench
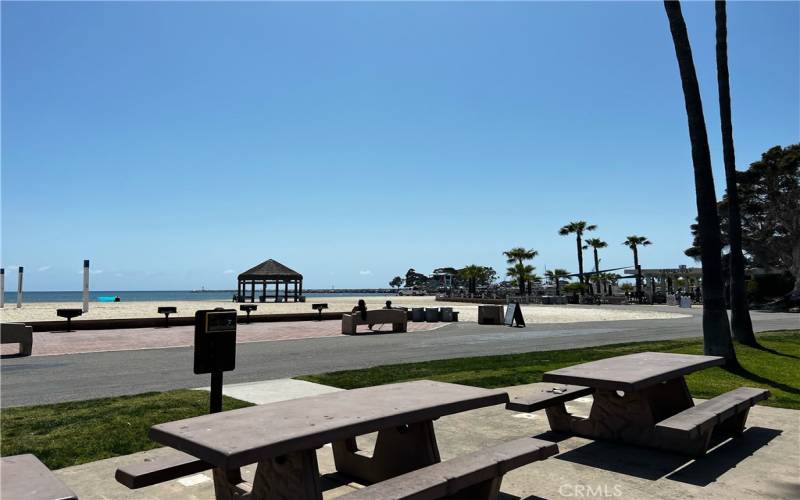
x: 551, y: 398
x: 396, y: 317
x: 17, y: 333
x: 160, y: 469
x: 694, y: 429
x: 476, y: 475
x: 25, y: 477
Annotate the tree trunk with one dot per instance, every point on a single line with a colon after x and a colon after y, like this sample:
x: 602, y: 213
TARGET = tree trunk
x: 741, y: 324
x: 580, y: 259
x: 558, y: 287
x: 638, y: 274
x: 597, y: 270
x: 716, y: 330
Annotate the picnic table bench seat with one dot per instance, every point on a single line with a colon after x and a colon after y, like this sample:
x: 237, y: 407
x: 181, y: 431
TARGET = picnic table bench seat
x: 25, y: 477
x: 475, y: 475
x: 156, y: 470
x: 724, y: 415
x: 544, y: 395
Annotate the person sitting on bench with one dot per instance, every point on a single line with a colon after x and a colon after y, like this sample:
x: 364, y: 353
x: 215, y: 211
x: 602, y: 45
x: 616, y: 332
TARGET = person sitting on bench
x: 361, y: 309
x: 388, y: 304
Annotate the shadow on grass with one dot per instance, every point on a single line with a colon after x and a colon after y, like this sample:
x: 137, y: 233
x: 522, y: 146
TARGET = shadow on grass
x: 729, y: 454
x: 773, y: 351
x: 745, y: 373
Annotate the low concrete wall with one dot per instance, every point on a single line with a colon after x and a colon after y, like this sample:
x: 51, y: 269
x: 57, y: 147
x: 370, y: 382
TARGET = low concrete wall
x: 112, y: 324
x: 467, y: 300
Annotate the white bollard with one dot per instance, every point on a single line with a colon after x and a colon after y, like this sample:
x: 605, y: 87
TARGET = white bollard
x: 2, y: 288
x: 19, y: 288
x: 86, y: 286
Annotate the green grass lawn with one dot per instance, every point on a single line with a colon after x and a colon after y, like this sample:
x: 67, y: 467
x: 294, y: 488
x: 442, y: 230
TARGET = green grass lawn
x: 67, y: 434
x: 775, y: 367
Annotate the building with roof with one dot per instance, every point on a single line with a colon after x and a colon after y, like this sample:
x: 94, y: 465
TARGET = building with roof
x: 269, y: 273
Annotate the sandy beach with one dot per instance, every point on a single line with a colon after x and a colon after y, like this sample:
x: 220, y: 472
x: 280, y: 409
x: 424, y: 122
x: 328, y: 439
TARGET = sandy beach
x: 46, y: 311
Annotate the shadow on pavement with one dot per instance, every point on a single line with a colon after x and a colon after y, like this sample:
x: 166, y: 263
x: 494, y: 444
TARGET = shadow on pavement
x: 625, y: 459
x: 707, y: 469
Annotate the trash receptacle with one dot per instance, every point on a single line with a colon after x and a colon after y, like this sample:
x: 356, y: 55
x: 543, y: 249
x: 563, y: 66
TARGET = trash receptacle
x: 417, y: 314
x: 446, y: 314
x: 432, y: 314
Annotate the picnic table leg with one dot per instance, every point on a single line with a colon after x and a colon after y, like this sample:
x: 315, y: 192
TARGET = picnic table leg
x: 397, y: 450
x: 630, y: 416
x: 291, y: 476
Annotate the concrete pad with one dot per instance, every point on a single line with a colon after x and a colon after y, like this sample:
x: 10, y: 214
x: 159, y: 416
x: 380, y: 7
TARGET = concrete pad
x: 272, y: 391
x: 762, y: 463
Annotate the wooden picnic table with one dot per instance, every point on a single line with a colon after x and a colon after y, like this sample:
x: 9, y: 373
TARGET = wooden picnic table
x: 643, y: 399
x: 283, y: 437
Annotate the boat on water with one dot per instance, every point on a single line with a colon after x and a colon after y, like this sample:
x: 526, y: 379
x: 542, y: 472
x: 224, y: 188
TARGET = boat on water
x: 202, y: 290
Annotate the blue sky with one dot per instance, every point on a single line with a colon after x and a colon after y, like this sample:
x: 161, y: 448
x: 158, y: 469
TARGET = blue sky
x: 176, y: 144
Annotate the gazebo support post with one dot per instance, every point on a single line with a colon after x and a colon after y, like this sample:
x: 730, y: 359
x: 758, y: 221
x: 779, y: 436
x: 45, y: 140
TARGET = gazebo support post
x: 277, y: 286
x: 295, y: 290
x: 286, y: 291
x: 252, y: 290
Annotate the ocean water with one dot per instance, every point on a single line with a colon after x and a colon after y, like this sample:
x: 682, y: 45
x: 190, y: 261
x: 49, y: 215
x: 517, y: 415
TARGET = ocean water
x: 157, y: 295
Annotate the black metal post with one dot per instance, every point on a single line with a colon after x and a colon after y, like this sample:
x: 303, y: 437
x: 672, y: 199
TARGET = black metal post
x: 215, y: 399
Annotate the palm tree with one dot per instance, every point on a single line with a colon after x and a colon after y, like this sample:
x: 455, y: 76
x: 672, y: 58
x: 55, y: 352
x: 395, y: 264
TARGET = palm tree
x: 741, y: 324
x: 596, y: 243
x: 633, y: 242
x: 716, y: 330
x: 578, y: 227
x: 471, y: 274
x: 555, y: 276
x: 523, y: 273
x: 518, y: 256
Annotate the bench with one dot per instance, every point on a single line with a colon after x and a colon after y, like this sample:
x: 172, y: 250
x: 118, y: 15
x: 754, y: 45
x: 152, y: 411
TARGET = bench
x: 694, y: 429
x: 17, y: 333
x: 476, y: 475
x: 248, y: 308
x: 152, y: 471
x: 69, y: 314
x: 396, y: 317
x: 166, y: 311
x: 551, y: 398
x: 319, y: 308
x: 24, y: 476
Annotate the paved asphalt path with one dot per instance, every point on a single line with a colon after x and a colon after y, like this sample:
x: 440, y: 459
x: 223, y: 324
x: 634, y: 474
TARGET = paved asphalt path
x: 72, y: 377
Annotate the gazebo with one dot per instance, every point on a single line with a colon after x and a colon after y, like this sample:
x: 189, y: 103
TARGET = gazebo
x: 269, y: 272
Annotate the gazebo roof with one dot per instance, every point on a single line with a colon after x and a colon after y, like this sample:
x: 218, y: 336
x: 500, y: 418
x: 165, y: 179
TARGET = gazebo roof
x: 270, y: 270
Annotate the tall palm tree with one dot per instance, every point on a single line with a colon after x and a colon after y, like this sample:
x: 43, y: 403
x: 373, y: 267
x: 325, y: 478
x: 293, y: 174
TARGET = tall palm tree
x: 523, y: 273
x: 578, y: 227
x: 596, y: 243
x: 741, y: 324
x: 555, y: 276
x: 471, y: 274
x: 716, y: 330
x: 518, y: 256
x: 634, y: 242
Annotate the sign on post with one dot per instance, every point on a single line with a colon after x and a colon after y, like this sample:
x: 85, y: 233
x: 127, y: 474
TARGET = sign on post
x: 215, y: 348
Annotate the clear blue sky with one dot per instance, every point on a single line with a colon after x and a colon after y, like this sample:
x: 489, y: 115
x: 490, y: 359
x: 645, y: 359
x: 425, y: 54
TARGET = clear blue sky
x: 177, y: 144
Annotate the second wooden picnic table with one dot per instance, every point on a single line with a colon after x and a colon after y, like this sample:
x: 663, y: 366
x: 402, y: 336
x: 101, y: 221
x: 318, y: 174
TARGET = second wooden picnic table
x: 283, y: 437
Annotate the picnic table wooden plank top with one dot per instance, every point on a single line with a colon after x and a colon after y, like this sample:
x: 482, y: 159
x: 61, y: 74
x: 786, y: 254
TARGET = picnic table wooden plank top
x: 632, y: 372
x: 245, y: 436
x: 25, y: 476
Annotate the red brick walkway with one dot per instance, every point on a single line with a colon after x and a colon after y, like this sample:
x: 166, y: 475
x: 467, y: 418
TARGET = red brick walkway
x: 52, y: 343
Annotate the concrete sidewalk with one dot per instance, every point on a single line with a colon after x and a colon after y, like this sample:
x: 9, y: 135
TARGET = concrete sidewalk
x: 763, y: 463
